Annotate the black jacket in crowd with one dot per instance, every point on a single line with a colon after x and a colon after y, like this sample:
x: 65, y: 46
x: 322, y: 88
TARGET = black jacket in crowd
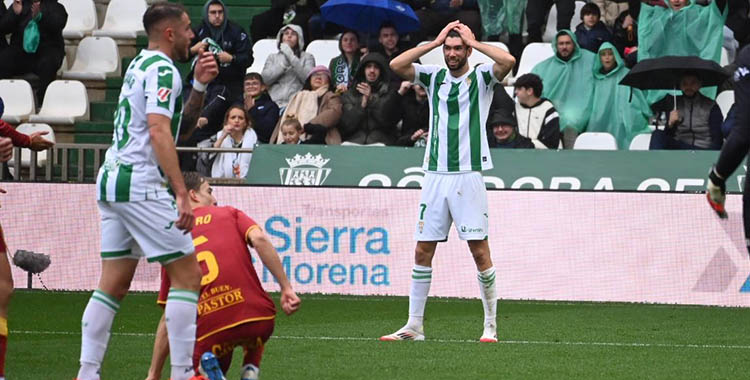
x: 265, y: 114
x: 51, y: 25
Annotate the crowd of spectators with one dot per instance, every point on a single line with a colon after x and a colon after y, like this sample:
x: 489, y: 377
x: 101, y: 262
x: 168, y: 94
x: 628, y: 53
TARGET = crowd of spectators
x: 356, y: 98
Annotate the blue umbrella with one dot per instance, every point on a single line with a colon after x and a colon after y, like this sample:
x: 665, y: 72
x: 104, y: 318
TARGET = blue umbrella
x: 367, y: 15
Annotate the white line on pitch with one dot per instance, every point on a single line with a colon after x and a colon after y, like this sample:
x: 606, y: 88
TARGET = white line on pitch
x: 521, y: 342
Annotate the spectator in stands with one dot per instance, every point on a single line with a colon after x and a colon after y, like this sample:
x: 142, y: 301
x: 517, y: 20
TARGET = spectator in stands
x: 282, y: 12
x: 435, y: 14
x: 536, y: 116
x: 592, y: 33
x: 345, y: 65
x: 694, y: 122
x: 505, y: 134
x: 291, y: 131
x: 318, y: 109
x: 501, y: 101
x: 625, y: 38
x: 237, y: 133
x: 568, y: 84
x: 371, y: 108
x: 536, y: 12
x: 36, y: 42
x: 230, y: 45
x: 286, y: 70
x: 610, y: 10
x: 619, y: 110
x: 415, y: 116
x: 737, y: 20
x: 390, y: 46
x: 3, y: 40
x: 258, y: 104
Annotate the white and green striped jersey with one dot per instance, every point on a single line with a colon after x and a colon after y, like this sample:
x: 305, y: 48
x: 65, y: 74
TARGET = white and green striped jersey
x: 457, y: 140
x: 152, y: 85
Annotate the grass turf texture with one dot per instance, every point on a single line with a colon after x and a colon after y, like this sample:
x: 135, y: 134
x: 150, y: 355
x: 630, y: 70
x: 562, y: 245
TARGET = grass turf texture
x: 335, y: 337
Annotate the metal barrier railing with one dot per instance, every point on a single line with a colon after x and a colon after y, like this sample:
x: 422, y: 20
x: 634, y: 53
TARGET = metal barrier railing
x: 83, y: 160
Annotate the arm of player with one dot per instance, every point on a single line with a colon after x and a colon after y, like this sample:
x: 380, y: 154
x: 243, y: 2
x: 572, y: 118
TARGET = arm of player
x: 258, y: 239
x: 206, y: 71
x: 166, y: 155
x: 161, y: 350
x: 504, y: 61
x: 402, y: 65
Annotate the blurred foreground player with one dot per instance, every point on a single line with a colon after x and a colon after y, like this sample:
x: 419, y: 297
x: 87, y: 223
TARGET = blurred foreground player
x: 233, y: 308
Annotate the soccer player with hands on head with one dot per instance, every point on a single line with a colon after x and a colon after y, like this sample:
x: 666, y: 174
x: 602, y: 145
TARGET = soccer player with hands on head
x: 453, y: 189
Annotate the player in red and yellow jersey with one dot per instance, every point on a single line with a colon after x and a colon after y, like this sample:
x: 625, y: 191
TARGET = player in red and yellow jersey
x: 233, y: 308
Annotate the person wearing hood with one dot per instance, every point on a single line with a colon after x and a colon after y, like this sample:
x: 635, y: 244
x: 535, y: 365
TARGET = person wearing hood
x: 371, y: 106
x: 568, y: 83
x: 693, y: 120
x: 592, y: 32
x: 285, y: 71
x: 36, y: 42
x: 503, y: 132
x: 345, y: 65
x: 230, y: 45
x: 619, y: 110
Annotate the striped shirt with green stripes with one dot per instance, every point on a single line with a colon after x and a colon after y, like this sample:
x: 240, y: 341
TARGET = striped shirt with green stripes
x: 152, y: 85
x: 457, y: 139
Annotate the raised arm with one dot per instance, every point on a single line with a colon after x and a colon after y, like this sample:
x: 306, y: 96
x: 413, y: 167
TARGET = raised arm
x: 504, y: 61
x: 206, y: 71
x: 402, y: 65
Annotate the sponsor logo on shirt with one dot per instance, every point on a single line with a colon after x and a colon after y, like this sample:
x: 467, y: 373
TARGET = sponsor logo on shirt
x: 163, y: 94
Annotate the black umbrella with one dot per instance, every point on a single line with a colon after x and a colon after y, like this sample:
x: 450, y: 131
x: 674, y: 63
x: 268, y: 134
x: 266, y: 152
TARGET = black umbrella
x: 665, y: 73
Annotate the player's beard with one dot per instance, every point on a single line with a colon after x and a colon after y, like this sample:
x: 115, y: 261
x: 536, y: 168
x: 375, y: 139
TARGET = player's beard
x: 457, y: 65
x: 182, y: 53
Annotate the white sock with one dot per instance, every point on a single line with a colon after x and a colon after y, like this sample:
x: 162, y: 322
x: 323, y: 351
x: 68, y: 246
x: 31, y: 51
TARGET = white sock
x: 489, y: 294
x: 421, y: 277
x: 95, y: 325
x: 180, y: 314
x: 249, y: 372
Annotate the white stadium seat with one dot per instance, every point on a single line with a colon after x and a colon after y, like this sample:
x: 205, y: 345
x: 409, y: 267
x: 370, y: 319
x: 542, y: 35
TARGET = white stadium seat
x: 64, y: 102
x: 323, y: 51
x: 725, y: 100
x: 640, y: 142
x: 81, y: 18
x: 261, y: 50
x: 41, y: 157
x: 595, y: 141
x: 124, y: 19
x: 8, y: 3
x: 511, y: 91
x: 724, y: 57
x: 96, y: 59
x: 551, y: 29
x: 532, y: 54
x: 18, y: 98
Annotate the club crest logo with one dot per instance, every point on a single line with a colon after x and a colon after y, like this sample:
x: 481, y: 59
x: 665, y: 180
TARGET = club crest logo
x: 307, y: 170
x: 163, y: 94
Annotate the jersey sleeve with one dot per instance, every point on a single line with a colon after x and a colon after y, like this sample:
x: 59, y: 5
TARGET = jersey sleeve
x: 244, y: 223
x: 423, y: 74
x: 486, y: 74
x: 162, y: 90
x: 163, y: 288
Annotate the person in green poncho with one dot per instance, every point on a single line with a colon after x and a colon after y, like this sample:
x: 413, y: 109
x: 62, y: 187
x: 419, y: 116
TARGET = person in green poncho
x: 568, y: 83
x: 616, y: 109
x: 36, y: 42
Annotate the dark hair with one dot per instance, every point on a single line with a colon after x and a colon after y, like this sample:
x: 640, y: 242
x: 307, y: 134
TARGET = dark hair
x: 590, y: 8
x: 387, y: 24
x: 292, y: 121
x: 158, y: 12
x: 254, y: 75
x: 531, y: 81
x: 341, y: 38
x: 193, y: 180
x: 248, y: 121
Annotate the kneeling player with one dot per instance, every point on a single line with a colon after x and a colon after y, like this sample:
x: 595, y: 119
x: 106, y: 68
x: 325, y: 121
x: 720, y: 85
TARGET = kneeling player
x: 233, y: 308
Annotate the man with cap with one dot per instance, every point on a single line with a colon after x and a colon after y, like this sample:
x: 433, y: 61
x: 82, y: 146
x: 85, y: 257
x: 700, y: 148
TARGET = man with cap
x: 8, y: 138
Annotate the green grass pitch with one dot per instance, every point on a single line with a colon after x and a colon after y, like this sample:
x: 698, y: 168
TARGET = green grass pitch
x: 335, y: 337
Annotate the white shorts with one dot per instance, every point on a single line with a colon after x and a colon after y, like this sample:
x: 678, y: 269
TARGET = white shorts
x: 447, y: 198
x: 131, y: 230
